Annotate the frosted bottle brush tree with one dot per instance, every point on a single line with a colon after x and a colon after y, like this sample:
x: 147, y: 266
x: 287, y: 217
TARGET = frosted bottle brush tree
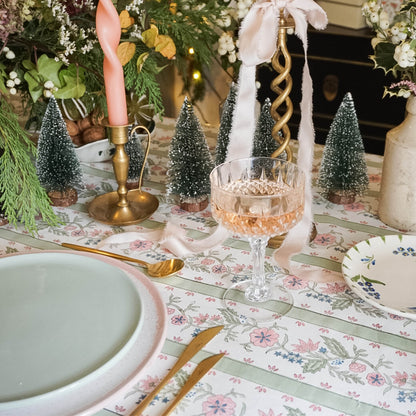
x: 343, y: 172
x: 223, y: 138
x: 190, y: 162
x: 263, y: 143
x: 57, y: 165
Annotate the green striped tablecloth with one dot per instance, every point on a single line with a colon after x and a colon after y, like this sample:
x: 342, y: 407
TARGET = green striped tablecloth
x: 332, y: 354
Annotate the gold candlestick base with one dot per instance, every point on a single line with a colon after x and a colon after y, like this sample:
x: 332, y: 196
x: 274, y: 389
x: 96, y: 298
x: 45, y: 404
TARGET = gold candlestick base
x: 123, y: 207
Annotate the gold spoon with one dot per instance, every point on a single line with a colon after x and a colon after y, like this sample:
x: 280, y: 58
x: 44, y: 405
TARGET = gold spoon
x: 160, y: 269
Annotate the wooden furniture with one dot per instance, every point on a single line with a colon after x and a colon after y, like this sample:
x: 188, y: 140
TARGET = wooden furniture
x: 339, y: 63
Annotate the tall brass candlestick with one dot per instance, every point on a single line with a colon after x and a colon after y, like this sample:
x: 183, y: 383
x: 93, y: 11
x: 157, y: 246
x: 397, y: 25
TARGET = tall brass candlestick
x: 282, y: 108
x: 124, y: 207
x: 282, y: 86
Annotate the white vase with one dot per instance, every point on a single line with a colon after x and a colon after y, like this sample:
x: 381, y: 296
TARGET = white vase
x: 397, y: 206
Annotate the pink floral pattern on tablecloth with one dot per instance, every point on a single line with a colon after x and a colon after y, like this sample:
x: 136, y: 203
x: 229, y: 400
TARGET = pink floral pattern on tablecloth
x: 331, y: 344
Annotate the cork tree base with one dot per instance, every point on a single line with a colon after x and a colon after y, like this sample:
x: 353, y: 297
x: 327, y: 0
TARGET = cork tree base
x: 194, y: 206
x: 341, y: 197
x: 64, y: 198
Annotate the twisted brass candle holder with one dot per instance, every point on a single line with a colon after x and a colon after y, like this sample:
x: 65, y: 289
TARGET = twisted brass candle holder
x: 124, y: 207
x: 282, y: 86
x: 282, y: 107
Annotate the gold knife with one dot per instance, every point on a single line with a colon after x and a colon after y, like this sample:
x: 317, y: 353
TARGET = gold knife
x: 194, y: 346
x: 199, y: 372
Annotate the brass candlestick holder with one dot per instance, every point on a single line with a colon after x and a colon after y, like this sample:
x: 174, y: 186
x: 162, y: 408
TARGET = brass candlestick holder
x: 282, y: 107
x: 124, y: 207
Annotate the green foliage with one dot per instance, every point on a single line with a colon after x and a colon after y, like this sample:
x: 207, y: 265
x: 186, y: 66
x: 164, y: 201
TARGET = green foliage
x: 263, y: 143
x: 343, y: 166
x: 58, y: 167
x: 190, y: 161
x: 21, y: 196
x: 146, y: 83
x: 223, y: 138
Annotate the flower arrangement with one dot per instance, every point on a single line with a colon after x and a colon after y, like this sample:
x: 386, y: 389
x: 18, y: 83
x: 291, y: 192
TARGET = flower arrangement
x: 50, y: 47
x: 394, y: 44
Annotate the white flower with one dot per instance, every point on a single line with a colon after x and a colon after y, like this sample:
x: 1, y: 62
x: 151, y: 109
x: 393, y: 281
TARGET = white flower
x: 17, y: 81
x: 404, y: 56
x: 374, y: 17
x: 10, y: 55
x: 47, y: 93
x: 48, y: 85
x: 13, y: 91
x: 232, y: 58
x: 13, y: 75
x: 10, y: 83
x: 6, y: 49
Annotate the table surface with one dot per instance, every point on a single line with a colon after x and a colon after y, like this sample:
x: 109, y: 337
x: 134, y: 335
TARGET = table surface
x: 332, y: 354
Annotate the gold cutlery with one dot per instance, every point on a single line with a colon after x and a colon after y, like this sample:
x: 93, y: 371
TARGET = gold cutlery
x: 194, y: 346
x: 160, y: 269
x: 199, y: 372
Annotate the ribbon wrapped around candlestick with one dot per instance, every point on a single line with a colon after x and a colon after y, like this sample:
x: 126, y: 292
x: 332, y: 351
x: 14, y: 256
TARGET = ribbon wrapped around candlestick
x: 109, y: 33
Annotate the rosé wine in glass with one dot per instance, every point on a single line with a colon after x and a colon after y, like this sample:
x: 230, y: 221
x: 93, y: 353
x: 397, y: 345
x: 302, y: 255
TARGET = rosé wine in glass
x: 258, y: 198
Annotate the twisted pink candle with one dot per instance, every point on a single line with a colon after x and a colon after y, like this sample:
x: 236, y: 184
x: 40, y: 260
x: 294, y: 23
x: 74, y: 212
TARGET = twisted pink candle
x: 109, y: 33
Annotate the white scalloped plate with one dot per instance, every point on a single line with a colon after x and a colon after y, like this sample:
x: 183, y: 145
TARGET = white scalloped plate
x: 382, y: 271
x: 71, y: 331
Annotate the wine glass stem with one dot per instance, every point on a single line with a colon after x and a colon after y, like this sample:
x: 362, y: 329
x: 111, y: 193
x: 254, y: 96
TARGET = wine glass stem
x: 258, y: 291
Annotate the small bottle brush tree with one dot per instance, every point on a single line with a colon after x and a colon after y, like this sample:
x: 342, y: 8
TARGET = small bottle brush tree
x: 263, y: 143
x: 343, y: 171
x: 190, y: 162
x: 136, y: 154
x: 226, y: 122
x: 57, y: 165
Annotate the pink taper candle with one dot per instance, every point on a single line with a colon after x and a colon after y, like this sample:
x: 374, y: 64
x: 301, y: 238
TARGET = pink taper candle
x: 109, y: 33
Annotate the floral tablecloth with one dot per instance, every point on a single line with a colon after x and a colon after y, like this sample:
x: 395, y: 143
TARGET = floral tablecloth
x: 332, y: 354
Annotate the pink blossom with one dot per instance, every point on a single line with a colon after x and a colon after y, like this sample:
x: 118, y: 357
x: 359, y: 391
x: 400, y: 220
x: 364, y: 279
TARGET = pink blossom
x: 271, y: 413
x: 305, y: 346
x: 218, y: 406
x: 357, y: 367
x: 375, y: 379
x: 140, y: 245
x: 149, y: 384
x: 219, y: 268
x: 296, y: 283
x: 201, y: 319
x: 264, y: 337
x: 179, y: 320
x: 356, y: 206
x: 335, y: 287
x: 207, y: 261
x: 400, y: 378
x: 324, y: 239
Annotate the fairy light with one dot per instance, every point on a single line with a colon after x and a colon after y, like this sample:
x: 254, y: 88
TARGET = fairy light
x: 196, y: 75
x: 191, y: 51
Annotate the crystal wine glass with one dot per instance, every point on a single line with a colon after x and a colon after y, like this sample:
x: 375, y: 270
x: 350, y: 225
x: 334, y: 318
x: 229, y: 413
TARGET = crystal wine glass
x: 258, y: 197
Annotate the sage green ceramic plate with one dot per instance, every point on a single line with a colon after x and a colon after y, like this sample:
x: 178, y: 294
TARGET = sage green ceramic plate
x: 382, y: 271
x: 66, y: 320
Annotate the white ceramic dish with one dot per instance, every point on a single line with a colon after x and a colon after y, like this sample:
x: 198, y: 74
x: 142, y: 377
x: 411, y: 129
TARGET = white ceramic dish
x: 382, y: 271
x: 99, y: 307
x: 103, y: 150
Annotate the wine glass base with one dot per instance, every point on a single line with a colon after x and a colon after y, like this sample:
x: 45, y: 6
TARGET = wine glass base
x: 237, y: 301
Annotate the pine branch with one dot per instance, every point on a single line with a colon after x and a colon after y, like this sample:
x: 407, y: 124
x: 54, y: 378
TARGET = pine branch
x: 21, y: 196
